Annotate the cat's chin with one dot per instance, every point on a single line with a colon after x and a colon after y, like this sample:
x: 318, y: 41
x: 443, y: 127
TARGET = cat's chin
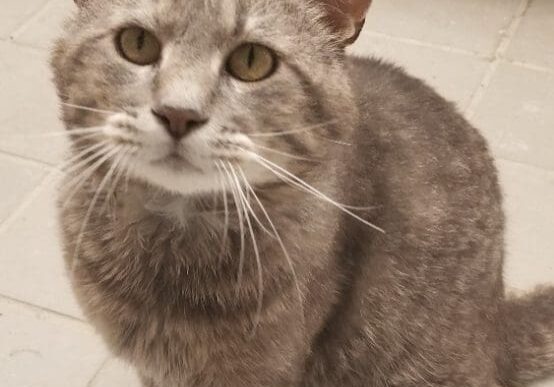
x: 177, y: 163
x: 177, y: 175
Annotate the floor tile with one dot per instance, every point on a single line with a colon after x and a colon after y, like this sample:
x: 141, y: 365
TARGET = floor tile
x: 534, y: 41
x: 474, y: 25
x: 517, y: 115
x: 31, y: 260
x: 28, y: 103
x: 46, y: 27
x: 43, y: 349
x: 38, y: 349
x: 116, y: 374
x: 19, y: 178
x: 454, y: 75
x: 530, y: 213
x: 548, y: 383
x: 16, y: 12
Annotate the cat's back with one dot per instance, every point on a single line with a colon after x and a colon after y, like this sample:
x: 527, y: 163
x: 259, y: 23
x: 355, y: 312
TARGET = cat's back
x: 431, y: 166
x: 407, y: 106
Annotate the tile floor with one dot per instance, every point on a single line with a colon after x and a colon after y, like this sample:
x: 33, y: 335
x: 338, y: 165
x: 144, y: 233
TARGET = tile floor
x: 494, y: 58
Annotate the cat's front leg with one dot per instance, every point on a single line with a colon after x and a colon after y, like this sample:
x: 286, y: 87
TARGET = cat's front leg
x: 147, y: 381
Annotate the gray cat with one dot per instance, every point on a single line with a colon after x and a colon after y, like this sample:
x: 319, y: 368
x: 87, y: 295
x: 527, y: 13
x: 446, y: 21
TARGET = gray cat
x: 246, y: 205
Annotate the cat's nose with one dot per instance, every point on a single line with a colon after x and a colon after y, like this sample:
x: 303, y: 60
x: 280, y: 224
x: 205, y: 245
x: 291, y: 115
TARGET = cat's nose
x: 179, y: 122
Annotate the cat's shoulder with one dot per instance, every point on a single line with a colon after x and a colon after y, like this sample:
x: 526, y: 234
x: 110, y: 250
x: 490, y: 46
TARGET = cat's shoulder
x: 375, y: 78
x: 402, y: 112
x: 370, y: 67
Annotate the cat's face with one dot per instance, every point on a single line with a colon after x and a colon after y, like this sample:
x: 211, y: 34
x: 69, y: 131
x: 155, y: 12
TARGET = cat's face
x: 189, y: 94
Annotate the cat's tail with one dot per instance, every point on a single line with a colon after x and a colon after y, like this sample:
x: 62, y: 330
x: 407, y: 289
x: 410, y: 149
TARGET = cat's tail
x: 528, y: 330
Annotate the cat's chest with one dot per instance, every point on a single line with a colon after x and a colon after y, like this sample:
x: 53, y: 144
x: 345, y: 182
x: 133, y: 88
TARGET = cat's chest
x: 148, y: 267
x: 174, y: 353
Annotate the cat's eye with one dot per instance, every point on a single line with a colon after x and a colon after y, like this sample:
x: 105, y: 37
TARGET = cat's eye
x: 139, y: 46
x: 252, y: 62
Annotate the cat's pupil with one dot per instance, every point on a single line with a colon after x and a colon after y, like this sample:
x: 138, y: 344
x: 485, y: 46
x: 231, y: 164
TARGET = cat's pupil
x: 251, y: 56
x: 140, y: 40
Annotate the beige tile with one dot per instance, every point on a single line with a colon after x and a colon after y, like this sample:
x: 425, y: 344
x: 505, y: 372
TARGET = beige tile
x: 38, y: 349
x: 19, y: 179
x: 28, y: 105
x: 455, y: 76
x: 16, y: 12
x: 116, y: 374
x: 547, y: 383
x: 530, y: 214
x: 474, y: 25
x: 518, y: 116
x: 534, y: 41
x: 31, y: 259
x: 47, y: 25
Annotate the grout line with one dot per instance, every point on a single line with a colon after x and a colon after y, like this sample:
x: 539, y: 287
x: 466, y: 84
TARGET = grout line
x: 47, y: 164
x: 27, y: 161
x: 98, y: 371
x: 30, y: 305
x: 29, y: 46
x: 421, y: 43
x: 27, y: 201
x: 32, y: 17
x: 25, y: 46
x: 529, y: 66
x: 497, y: 58
x: 524, y: 164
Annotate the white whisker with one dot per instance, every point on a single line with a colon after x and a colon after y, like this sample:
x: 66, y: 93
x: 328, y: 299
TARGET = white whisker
x: 128, y: 166
x: 278, y: 237
x: 87, y: 108
x: 77, y: 183
x: 88, y: 214
x: 256, y: 253
x: 285, y: 153
x: 226, y: 208
x: 308, y: 188
x: 82, y: 152
x: 333, y: 141
x: 293, y: 131
x: 76, y: 162
x: 117, y: 177
x: 249, y: 206
x: 90, y: 129
x: 237, y: 201
x: 63, y: 133
x: 89, y: 136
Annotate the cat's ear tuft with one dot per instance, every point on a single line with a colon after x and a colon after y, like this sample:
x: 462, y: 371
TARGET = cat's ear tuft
x: 347, y: 17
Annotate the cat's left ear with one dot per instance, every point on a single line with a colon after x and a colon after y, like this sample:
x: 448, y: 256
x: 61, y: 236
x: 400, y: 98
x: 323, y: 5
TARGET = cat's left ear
x: 347, y: 17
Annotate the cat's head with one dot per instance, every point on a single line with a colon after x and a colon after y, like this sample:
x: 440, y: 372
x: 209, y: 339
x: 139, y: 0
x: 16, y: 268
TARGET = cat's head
x: 189, y: 94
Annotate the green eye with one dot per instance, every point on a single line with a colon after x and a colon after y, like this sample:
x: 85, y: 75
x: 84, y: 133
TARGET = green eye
x: 252, y: 62
x: 139, y: 46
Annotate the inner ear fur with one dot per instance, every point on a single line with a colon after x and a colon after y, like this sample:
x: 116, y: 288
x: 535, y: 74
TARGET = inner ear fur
x: 347, y: 17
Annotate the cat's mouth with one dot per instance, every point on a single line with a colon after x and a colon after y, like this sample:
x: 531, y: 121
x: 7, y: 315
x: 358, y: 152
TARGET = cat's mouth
x: 175, y: 161
x: 203, y: 161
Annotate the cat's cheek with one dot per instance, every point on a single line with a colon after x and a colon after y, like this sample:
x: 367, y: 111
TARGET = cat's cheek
x: 141, y: 129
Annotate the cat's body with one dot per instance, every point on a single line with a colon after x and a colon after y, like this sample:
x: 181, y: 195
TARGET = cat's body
x: 420, y: 304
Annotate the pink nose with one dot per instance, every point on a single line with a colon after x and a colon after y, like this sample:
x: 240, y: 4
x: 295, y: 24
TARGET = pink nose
x: 178, y: 122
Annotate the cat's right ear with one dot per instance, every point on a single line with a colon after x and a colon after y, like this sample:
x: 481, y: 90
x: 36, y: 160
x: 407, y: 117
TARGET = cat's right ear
x: 346, y: 17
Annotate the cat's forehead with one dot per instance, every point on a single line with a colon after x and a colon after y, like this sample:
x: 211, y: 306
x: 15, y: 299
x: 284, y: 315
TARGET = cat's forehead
x: 207, y: 25
x: 227, y: 15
